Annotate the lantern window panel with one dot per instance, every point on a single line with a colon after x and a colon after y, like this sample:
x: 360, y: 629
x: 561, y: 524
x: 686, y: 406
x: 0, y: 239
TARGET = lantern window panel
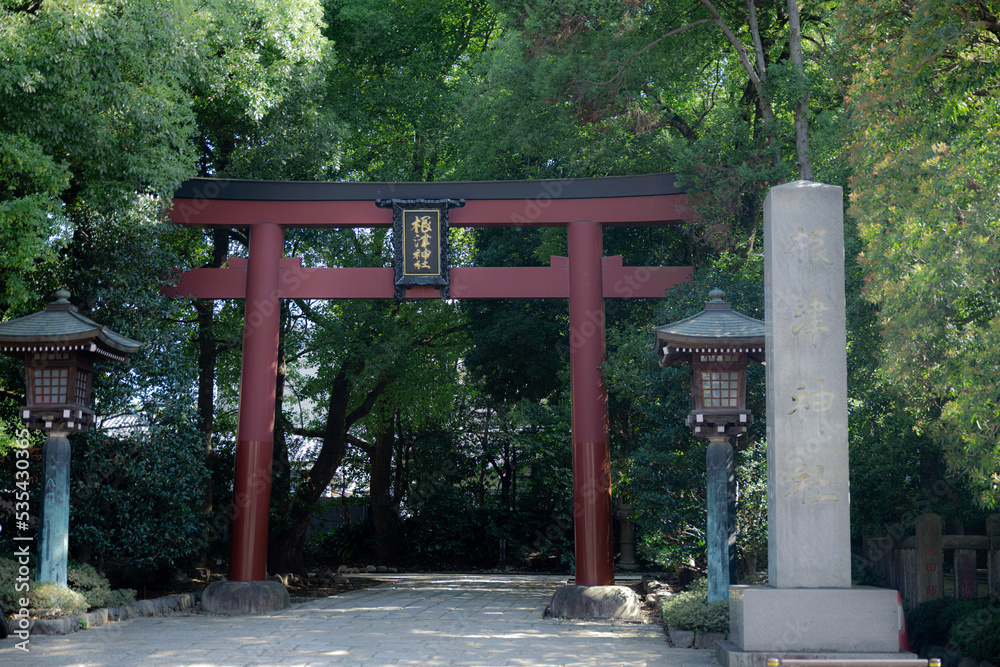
x: 82, y: 387
x: 51, y: 385
x: 720, y: 389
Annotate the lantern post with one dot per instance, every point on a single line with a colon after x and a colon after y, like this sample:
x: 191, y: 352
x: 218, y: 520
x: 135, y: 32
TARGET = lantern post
x: 59, y: 347
x: 719, y: 345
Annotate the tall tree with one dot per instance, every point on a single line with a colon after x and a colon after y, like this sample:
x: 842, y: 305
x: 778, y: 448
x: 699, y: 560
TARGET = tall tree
x: 396, y: 81
x: 923, y: 112
x: 706, y: 89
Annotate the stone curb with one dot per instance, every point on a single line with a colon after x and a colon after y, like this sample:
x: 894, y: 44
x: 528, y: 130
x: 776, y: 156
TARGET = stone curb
x: 692, y: 639
x: 102, y: 616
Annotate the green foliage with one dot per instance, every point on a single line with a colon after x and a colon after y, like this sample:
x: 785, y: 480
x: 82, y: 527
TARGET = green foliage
x: 447, y: 528
x: 863, y: 574
x: 691, y: 610
x: 48, y: 600
x: 666, y: 476
x: 30, y: 185
x: 99, y: 88
x: 136, y: 496
x: 95, y: 587
x: 518, y: 346
x: 926, y: 196
x: 977, y: 635
x: 10, y: 595
x: 86, y: 589
x: 12, y: 434
x: 257, y: 91
x: 397, y: 82
x: 346, y: 543
x: 751, y: 503
x: 108, y: 106
x: 930, y: 623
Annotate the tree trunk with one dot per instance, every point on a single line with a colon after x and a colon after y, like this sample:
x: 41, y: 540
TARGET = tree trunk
x: 802, y: 108
x: 756, y: 71
x: 281, y: 482
x: 402, y: 469
x: 506, y: 472
x: 384, y: 516
x: 208, y: 354
x: 286, y: 547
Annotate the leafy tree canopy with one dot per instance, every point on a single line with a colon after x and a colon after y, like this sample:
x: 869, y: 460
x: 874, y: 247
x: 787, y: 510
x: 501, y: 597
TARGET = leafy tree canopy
x: 925, y: 191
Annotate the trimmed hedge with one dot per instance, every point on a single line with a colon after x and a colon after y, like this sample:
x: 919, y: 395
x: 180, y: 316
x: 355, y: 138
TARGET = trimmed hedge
x: 691, y: 610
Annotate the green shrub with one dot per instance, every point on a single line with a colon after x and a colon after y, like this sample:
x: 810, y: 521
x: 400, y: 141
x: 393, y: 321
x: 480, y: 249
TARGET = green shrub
x: 137, y: 498
x: 977, y: 635
x: 95, y: 586
x: 85, y: 584
x: 863, y: 574
x: 448, y: 525
x: 691, y: 610
x: 758, y: 578
x: 120, y: 597
x: 48, y: 599
x: 9, y: 595
x: 929, y: 623
x: 347, y: 542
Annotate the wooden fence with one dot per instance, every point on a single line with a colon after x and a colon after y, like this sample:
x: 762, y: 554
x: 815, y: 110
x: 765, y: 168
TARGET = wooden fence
x: 914, y: 565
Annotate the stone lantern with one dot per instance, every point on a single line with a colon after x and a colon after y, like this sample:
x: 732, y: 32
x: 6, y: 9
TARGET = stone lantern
x: 719, y: 344
x: 59, y: 347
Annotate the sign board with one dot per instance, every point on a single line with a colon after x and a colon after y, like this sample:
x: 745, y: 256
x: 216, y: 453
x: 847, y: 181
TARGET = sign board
x: 420, y: 242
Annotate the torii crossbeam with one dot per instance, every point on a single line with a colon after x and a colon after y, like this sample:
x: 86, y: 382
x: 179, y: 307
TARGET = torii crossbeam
x: 586, y: 278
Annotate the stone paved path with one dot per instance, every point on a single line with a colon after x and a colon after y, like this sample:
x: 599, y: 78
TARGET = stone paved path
x: 428, y: 620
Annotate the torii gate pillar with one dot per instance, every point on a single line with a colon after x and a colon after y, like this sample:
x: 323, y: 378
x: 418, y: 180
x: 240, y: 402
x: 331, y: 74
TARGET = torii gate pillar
x: 258, y: 381
x: 589, y: 404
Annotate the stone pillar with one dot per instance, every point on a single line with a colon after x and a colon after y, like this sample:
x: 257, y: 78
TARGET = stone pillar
x: 626, y: 541
x: 808, y: 604
x: 721, y: 534
x: 53, y: 541
x: 808, y: 511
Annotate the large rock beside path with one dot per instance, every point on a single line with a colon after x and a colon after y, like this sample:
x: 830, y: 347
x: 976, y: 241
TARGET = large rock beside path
x: 595, y: 602
x: 244, y: 597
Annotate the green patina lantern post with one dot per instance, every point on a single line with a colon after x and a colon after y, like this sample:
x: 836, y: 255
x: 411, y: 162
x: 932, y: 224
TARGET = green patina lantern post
x: 719, y: 344
x: 59, y: 347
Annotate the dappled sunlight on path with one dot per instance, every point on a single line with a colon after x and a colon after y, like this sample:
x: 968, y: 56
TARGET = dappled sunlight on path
x: 429, y: 620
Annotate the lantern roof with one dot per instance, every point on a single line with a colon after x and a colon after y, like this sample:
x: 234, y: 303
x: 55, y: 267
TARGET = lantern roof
x: 61, y: 327
x: 718, y: 328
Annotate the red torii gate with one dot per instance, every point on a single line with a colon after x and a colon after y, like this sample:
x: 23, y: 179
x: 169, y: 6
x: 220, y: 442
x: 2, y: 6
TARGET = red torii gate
x: 586, y: 278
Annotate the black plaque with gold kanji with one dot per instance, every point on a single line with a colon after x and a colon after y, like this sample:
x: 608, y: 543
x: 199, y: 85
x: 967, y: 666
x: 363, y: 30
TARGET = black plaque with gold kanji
x: 420, y: 242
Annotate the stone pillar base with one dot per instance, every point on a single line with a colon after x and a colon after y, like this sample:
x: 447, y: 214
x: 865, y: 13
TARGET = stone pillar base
x: 595, y: 602
x: 843, y: 620
x: 728, y: 655
x: 242, y: 598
